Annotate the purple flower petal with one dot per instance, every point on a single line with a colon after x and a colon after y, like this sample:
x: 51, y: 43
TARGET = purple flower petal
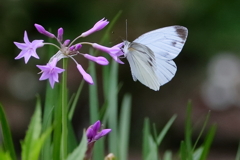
x: 98, y: 26
x: 42, y: 30
x: 102, y: 134
x: 85, y: 75
x: 99, y: 60
x: 60, y: 34
x: 50, y: 72
x: 28, y: 48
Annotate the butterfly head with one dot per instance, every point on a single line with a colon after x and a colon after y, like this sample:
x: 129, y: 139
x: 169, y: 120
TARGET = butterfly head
x: 125, y: 47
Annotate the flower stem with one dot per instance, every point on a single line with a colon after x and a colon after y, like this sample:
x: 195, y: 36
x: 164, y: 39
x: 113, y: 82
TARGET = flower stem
x: 64, y: 111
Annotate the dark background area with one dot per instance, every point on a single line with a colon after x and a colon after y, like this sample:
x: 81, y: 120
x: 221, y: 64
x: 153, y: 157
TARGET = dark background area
x: 208, y: 66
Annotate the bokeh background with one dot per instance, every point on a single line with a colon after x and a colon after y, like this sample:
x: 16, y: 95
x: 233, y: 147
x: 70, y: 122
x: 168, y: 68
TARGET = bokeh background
x: 208, y: 66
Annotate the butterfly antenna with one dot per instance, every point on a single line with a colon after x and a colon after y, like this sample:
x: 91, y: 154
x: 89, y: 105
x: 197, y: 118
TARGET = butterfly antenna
x: 126, y: 29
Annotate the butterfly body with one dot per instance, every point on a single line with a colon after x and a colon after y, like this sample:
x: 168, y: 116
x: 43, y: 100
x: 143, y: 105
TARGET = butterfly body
x: 150, y: 55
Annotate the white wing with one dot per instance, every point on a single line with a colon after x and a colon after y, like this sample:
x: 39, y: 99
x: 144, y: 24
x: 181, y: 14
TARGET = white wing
x: 166, y: 43
x: 142, y: 66
x: 146, y: 69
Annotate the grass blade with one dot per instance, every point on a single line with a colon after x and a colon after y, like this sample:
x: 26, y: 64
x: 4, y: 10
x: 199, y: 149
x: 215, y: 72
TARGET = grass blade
x: 188, y: 132
x: 32, y: 136
x: 76, y: 98
x: 238, y: 153
x: 79, y: 152
x: 204, y: 126
x: 146, y: 134
x: 124, y: 127
x: 165, y: 129
x: 208, y: 141
x: 7, y: 136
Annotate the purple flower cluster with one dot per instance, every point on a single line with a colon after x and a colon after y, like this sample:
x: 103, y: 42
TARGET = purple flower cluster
x: 67, y: 49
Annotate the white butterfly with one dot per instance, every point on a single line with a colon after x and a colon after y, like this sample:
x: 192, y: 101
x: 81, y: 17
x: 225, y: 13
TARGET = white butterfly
x: 150, y: 55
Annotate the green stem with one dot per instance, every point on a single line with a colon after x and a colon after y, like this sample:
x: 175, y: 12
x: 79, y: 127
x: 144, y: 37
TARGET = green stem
x: 64, y: 110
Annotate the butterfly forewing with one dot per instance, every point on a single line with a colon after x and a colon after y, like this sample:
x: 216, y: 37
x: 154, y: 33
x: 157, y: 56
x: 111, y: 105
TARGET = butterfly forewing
x: 165, y: 42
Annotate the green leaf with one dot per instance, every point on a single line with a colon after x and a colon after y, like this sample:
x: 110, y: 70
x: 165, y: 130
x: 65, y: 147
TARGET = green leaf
x: 238, y: 153
x: 6, y: 133
x: 188, y: 131
x: 197, y: 154
x: 207, y: 142
x: 183, y: 151
x: 153, y: 149
x: 167, y: 155
x: 4, y: 155
x: 79, y: 152
x: 50, y: 102
x: 72, y: 141
x: 204, y: 126
x: 39, y: 143
x: 124, y: 127
x: 146, y: 134
x: 33, y: 134
x: 57, y: 132
x: 75, y: 100
x: 165, y: 129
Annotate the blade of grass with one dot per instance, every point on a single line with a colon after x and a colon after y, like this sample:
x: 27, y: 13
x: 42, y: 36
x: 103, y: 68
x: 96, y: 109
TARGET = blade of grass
x: 208, y: 141
x: 79, y: 152
x: 124, y: 127
x: 238, y: 153
x: 57, y: 131
x: 183, y: 151
x: 98, y: 151
x: 201, y: 132
x: 188, y: 131
x: 167, y: 155
x: 72, y: 140
x: 153, y: 152
x: 165, y: 129
x: 47, y: 119
x: 76, y: 98
x: 146, y: 134
x: 64, y: 148
x: 32, y: 135
x: 7, y: 136
x: 113, y: 109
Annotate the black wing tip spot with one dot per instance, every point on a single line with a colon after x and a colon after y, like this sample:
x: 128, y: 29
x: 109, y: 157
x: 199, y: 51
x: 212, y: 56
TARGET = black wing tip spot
x: 182, y: 32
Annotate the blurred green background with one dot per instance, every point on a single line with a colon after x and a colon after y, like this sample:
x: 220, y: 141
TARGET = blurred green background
x: 208, y: 66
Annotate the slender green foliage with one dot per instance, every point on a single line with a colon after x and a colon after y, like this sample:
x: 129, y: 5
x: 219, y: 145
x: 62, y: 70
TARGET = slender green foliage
x: 32, y: 144
x: 79, y: 152
x: 64, y: 149
x: 124, y: 127
x: 238, y: 153
x: 7, y: 136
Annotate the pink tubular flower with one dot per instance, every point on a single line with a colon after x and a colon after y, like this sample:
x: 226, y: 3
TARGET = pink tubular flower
x: 93, y: 132
x: 98, y: 26
x: 100, y: 60
x: 50, y: 72
x: 85, y: 75
x: 42, y: 30
x: 28, y: 48
x: 114, y: 51
x: 60, y: 34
